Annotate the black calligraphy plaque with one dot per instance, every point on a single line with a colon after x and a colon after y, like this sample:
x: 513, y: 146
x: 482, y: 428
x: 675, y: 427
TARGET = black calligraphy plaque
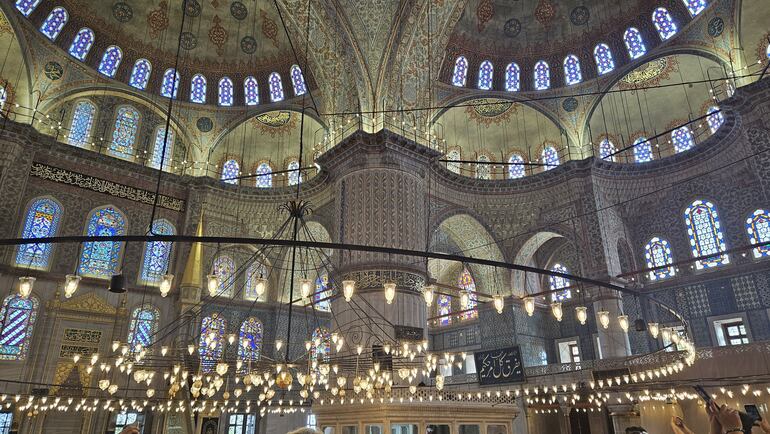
x: 499, y: 366
x: 406, y: 333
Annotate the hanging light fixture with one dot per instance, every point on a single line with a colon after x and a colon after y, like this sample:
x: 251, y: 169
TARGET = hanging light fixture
x: 666, y: 335
x: 260, y: 287
x: 427, y: 295
x: 165, y: 284
x: 529, y: 305
x: 557, y: 311
x: 25, y: 286
x: 582, y: 314
x: 71, y: 282
x: 390, y: 292
x: 212, y: 283
x: 604, y: 318
x: 465, y: 300
x: 623, y: 321
x: 654, y: 329
x: 499, y: 303
x: 305, y: 288
x: 348, y: 288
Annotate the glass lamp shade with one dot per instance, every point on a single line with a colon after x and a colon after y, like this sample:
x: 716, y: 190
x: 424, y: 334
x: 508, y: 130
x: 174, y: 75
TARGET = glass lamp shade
x: 582, y: 314
x: 305, y: 288
x: 529, y: 305
x: 25, y: 286
x: 557, y: 311
x: 666, y: 335
x: 390, y: 292
x: 222, y: 368
x: 623, y: 321
x: 604, y: 318
x: 464, y: 300
x: 71, y: 282
x: 212, y: 284
x: 427, y: 295
x: 165, y: 284
x: 260, y: 286
x: 348, y: 288
x: 499, y: 303
x: 654, y: 329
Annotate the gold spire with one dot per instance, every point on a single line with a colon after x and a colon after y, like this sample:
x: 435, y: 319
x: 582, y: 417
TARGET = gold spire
x: 192, y: 270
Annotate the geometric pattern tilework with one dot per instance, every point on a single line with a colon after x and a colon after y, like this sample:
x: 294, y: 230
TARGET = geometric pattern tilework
x: 721, y: 297
x: 693, y: 301
x: 638, y: 341
x: 669, y: 298
x: 762, y: 281
x: 496, y: 330
x: 533, y: 350
x: 759, y: 325
x: 746, y: 294
x: 700, y: 332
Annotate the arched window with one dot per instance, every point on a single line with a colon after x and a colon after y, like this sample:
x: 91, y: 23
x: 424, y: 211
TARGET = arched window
x: 460, y: 74
x: 512, y: 77
x: 515, y: 167
x: 264, y: 177
x: 758, y: 227
x: 249, y: 343
x: 295, y: 176
x: 54, y: 23
x: 486, y: 72
x: 483, y: 170
x: 124, y: 132
x: 3, y: 97
x: 557, y: 282
x: 276, y: 87
x: 42, y: 221
x: 320, y: 347
x: 226, y: 92
x: 604, y: 61
x: 101, y: 259
x: 634, y: 43
x: 298, y: 81
x: 198, y: 89
x: 82, y: 122
x: 82, y: 43
x: 170, y: 86
x: 467, y: 284
x: 695, y: 6
x: 572, y: 73
x: 682, y: 139
x: 157, y: 147
x: 657, y: 253
x: 453, y: 163
x: 251, y: 91
x: 444, y: 305
x: 321, y: 295
x: 26, y: 7
x: 705, y: 232
x: 157, y: 254
x: 642, y: 150
x: 550, y: 158
x: 18, y: 320
x: 607, y: 150
x: 715, y: 118
x: 542, y: 75
x: 111, y: 60
x: 256, y: 271
x: 224, y: 269
x: 211, y: 346
x: 143, y: 326
x: 664, y: 23
x: 140, y: 75
x: 231, y: 170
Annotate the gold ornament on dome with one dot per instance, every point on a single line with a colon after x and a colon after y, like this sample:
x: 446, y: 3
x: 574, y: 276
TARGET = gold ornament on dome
x: 269, y: 27
x: 275, y: 123
x: 157, y: 19
x: 218, y: 35
x: 651, y: 74
x: 488, y: 111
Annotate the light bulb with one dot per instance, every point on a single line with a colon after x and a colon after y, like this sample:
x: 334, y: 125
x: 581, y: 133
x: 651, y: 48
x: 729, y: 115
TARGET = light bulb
x: 623, y: 321
x: 654, y: 329
x: 427, y: 295
x: 582, y: 314
x: 71, y: 282
x: 25, y: 286
x: 278, y: 344
x: 348, y: 287
x: 165, y: 284
x: 212, y: 284
x: 499, y: 303
x: 260, y: 287
x: 305, y: 288
x: 529, y: 305
x: 557, y: 311
x: 604, y: 318
x: 390, y: 292
x: 666, y: 335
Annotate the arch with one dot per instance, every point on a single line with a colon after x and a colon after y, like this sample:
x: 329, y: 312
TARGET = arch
x: 82, y: 43
x: 542, y: 75
x: 486, y: 73
x: 758, y: 229
x: 83, y: 117
x: 454, y: 158
x: 604, y: 61
x: 42, y: 220
x: 607, y: 150
x: 276, y: 87
x: 54, y: 23
x: 143, y: 326
x: 466, y: 283
x: 26, y: 7
x: 694, y: 7
x: 170, y: 86
x: 17, y: 317
x: 664, y: 23
x: 231, y: 170
x: 682, y: 139
x: 642, y: 150
x: 211, y: 345
x: 714, y: 118
x: 322, y: 293
x: 298, y: 80
x: 483, y: 171
x: 516, y: 167
x: 249, y: 343
x: 634, y: 43
x: 549, y: 157
x: 256, y: 270
x: 460, y: 74
x: 225, y: 92
x: 264, y: 174
x: 101, y: 259
x: 224, y: 268
x: 705, y: 233
x: 140, y: 74
x: 111, y: 59
x: 157, y: 254
x: 512, y: 77
x: 657, y: 253
x: 124, y: 132
x: 295, y: 176
x: 198, y: 89
x: 572, y: 73
x: 320, y: 347
x: 522, y: 282
x: 251, y: 91
x: 556, y: 283
x: 157, y: 148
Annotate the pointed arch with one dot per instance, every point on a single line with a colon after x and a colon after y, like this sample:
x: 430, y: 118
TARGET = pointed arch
x: 572, y: 73
x: 54, y: 23
x: 634, y: 43
x: 224, y: 268
x: 157, y: 254
x: 211, y: 345
x: 483, y: 170
x: 231, y: 170
x: 705, y: 232
x: 251, y: 91
x: 298, y: 80
x: 42, y: 220
x: 276, y: 87
x: 255, y: 271
x: 170, y: 86
x: 557, y: 283
x: 17, y: 322
x: 758, y: 229
x: 657, y: 253
x: 249, y: 342
x: 322, y: 293
x: 157, y: 148
x: 264, y: 174
x: 682, y: 139
x: 82, y: 43
x: 604, y: 60
x: 694, y: 7
x: 607, y: 150
x: 295, y: 176
x: 26, y: 7
x: 124, y: 132
x: 143, y: 326
x: 512, y: 77
x: 486, y: 74
x: 198, y: 89
x: 549, y: 157
x: 140, y: 74
x: 83, y: 117
x: 542, y: 75
x: 714, y: 118
x: 460, y: 74
x: 101, y: 259
x: 111, y: 59
x: 225, y: 92
x: 664, y: 23
x: 466, y: 283
x: 642, y: 150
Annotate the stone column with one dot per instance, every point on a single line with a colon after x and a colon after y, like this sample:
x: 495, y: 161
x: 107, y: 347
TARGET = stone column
x: 612, y: 340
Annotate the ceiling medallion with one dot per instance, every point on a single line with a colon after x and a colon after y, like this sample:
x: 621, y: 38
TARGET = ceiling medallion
x: 652, y: 73
x: 158, y: 19
x: 275, y: 119
x: 239, y: 11
x: 545, y: 12
x: 570, y: 104
x: 248, y: 45
x: 193, y: 8
x: 204, y: 124
x: 512, y: 28
x: 189, y: 41
x: 484, y: 12
x: 269, y: 28
x: 716, y: 26
x: 218, y: 35
x: 275, y: 123
x: 580, y: 15
x: 53, y: 70
x: 122, y: 12
x: 488, y: 111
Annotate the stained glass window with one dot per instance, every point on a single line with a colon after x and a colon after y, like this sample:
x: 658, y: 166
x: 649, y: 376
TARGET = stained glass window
x: 550, y: 158
x: 483, y: 171
x: 140, y: 75
x: 295, y: 177
x: 460, y: 74
x: 695, y: 6
x: 298, y: 81
x: 101, y: 259
x: 682, y: 139
x: 211, y: 346
x: 26, y: 6
x: 249, y: 342
x: 256, y: 270
x: 18, y: 320
x: 276, y: 87
x: 42, y: 221
x: 3, y: 100
x: 642, y: 150
x: 657, y: 253
x: 557, y: 282
x: 604, y: 61
x: 143, y: 326
x: 466, y: 283
x: 124, y: 132
x: 264, y: 177
x: 486, y: 72
x: 572, y: 73
x: 170, y: 86
x: 515, y: 167
x: 758, y: 227
x: 6, y: 420
x: 224, y: 269
x: 251, y: 91
x: 664, y: 23
x: 82, y: 122
x: 231, y: 170
x: 198, y: 89
x: 157, y: 254
x: 82, y: 43
x: 444, y: 304
x: 322, y: 294
x: 705, y: 232
x: 54, y: 23
x: 542, y: 75
x: 453, y: 163
x: 157, y: 148
x: 320, y: 347
x: 111, y: 60
x: 225, y: 92
x: 715, y: 118
x: 634, y: 43
x: 512, y: 77
x: 607, y: 150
